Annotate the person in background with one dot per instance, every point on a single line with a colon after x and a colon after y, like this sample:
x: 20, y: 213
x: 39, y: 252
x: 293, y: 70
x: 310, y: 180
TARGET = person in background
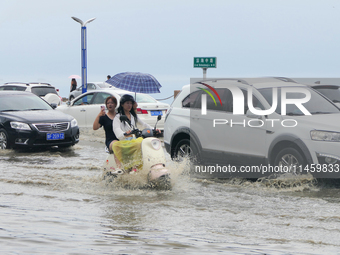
x: 106, y: 120
x: 134, y: 106
x: 73, y: 84
x: 108, y: 77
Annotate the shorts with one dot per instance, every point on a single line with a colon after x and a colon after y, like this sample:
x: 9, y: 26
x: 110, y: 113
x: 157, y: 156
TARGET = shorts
x: 107, y: 143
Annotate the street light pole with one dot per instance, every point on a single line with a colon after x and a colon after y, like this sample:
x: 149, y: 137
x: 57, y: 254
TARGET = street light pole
x: 83, y: 52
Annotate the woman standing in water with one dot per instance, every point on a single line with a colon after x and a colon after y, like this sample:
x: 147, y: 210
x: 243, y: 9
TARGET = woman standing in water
x: 106, y: 120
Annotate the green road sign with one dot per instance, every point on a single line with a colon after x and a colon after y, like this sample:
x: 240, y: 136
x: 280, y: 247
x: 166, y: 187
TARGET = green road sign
x: 205, y: 62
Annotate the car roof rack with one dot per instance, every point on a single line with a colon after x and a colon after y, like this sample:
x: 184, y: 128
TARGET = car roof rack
x: 15, y: 82
x: 40, y: 83
x: 223, y: 79
x: 243, y: 81
x: 285, y: 79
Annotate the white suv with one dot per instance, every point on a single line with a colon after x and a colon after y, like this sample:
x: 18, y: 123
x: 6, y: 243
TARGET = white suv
x: 45, y: 90
x: 202, y: 124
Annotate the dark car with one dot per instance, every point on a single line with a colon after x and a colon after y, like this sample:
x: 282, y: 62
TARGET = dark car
x: 28, y: 121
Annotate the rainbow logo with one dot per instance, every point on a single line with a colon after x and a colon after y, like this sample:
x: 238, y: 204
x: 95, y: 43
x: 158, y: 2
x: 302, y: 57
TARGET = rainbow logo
x: 208, y: 92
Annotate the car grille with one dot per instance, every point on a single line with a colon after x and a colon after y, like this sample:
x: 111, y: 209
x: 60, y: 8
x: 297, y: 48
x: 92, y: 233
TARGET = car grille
x: 52, y: 127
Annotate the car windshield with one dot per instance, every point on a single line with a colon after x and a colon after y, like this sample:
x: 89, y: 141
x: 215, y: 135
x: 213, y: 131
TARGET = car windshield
x: 43, y: 91
x: 142, y: 98
x: 316, y: 105
x: 12, y: 87
x: 29, y: 102
x: 332, y: 92
x: 104, y: 85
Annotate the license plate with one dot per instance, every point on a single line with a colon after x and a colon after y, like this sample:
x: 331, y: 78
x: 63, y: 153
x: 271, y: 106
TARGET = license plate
x: 55, y: 136
x: 156, y: 113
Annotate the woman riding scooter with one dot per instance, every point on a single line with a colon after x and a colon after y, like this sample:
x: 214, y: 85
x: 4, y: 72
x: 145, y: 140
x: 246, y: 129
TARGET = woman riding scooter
x: 126, y: 108
x: 128, y: 153
x: 138, y: 152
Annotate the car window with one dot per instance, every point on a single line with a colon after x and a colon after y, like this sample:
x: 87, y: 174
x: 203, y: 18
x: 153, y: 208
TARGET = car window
x: 91, y: 86
x: 23, y: 103
x: 316, y: 105
x: 190, y: 100
x: 194, y: 100
x: 104, y: 85
x: 43, y: 91
x: 84, y: 100
x: 100, y: 98
x: 141, y: 98
x: 332, y: 92
x: 17, y: 88
x: 256, y: 101
x: 214, y: 104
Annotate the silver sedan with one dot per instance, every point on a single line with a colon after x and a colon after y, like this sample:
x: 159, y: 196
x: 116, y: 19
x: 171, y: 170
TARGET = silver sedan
x: 86, y: 107
x: 90, y: 86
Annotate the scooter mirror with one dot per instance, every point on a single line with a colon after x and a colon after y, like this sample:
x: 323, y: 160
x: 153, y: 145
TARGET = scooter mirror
x: 159, y: 117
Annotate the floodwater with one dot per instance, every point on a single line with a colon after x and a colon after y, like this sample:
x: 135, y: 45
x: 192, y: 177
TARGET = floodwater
x: 56, y: 202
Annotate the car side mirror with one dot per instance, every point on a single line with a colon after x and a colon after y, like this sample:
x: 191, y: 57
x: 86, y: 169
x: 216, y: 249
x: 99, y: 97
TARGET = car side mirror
x: 53, y: 105
x: 68, y: 103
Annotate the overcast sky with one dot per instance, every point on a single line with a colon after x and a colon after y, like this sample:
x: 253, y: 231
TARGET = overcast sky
x: 293, y: 38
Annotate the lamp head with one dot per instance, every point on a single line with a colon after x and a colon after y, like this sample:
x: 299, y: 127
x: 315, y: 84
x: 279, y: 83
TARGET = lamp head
x: 78, y: 20
x: 88, y: 21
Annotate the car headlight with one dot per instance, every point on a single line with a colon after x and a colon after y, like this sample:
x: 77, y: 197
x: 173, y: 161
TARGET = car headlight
x: 20, y: 125
x: 74, y: 123
x: 318, y: 135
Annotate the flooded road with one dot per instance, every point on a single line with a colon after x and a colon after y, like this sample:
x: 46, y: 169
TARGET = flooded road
x: 56, y: 202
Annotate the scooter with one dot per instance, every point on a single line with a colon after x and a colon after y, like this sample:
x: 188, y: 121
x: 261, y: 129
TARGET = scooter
x: 153, y: 159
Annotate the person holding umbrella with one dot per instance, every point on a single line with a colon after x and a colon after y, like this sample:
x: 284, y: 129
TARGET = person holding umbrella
x: 73, y: 84
x: 126, y: 108
x: 127, y: 152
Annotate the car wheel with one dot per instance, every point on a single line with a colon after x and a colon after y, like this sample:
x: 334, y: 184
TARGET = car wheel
x: 290, y: 158
x: 4, y: 144
x: 185, y: 149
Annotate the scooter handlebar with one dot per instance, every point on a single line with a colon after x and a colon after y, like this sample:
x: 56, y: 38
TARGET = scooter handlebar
x: 139, y: 133
x: 135, y: 131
